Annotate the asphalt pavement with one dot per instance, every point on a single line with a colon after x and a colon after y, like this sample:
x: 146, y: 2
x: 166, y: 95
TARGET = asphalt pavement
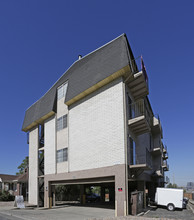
x: 69, y: 212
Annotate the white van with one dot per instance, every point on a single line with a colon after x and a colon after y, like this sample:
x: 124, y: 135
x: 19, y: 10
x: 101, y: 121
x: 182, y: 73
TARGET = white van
x: 171, y: 198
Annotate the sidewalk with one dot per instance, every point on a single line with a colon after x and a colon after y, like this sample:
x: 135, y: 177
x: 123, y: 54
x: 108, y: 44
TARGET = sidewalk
x: 191, y: 205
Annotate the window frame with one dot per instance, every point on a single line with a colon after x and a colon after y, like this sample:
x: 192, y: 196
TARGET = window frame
x: 61, y: 122
x: 63, y: 92
x: 62, y: 155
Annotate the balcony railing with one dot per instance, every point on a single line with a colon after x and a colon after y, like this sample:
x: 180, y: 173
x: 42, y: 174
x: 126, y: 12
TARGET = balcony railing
x: 157, y: 151
x: 157, y: 127
x: 158, y: 172
x: 142, y: 160
x: 138, y: 82
x: 164, y: 149
x: 165, y: 166
x: 139, y: 118
x: 137, y: 65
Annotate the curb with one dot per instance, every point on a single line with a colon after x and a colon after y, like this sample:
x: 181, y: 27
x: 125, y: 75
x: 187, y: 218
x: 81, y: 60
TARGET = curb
x: 13, y: 215
x: 191, y: 208
x: 191, y: 201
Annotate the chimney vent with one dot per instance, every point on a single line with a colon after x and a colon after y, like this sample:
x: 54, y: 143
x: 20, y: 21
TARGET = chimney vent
x: 79, y: 57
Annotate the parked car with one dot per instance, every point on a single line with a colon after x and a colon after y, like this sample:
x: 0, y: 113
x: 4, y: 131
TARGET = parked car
x: 171, y: 198
x: 185, y: 201
x: 93, y: 197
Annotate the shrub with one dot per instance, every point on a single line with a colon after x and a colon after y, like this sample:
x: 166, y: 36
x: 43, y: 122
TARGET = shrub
x: 6, y: 196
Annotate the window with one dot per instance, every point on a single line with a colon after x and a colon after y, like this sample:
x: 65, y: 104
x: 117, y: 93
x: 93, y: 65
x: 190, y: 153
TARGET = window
x: 61, y: 122
x: 61, y: 91
x: 62, y: 155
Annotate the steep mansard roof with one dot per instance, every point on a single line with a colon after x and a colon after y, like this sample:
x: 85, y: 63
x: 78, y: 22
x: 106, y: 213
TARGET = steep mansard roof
x: 82, y: 75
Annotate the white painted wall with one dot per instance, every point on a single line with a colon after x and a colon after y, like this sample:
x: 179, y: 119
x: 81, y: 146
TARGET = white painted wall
x: 50, y: 146
x: 33, y: 166
x: 62, y: 167
x: 96, y: 129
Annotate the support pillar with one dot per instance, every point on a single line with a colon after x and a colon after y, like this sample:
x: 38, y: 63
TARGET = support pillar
x: 102, y: 193
x: 33, y: 166
x: 82, y: 195
x: 120, y: 192
x: 53, y: 195
x: 47, y: 195
x: 18, y: 190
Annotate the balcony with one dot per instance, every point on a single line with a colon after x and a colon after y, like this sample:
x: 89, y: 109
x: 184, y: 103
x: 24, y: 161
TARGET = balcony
x: 165, y: 156
x: 157, y: 150
x: 165, y: 150
x: 165, y: 166
x: 158, y: 172
x: 142, y: 160
x: 156, y: 126
x: 138, y: 82
x: 165, y: 153
x: 139, y: 118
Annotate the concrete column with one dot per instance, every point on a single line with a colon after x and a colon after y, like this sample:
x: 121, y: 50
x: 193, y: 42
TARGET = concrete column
x: 18, y: 189
x: 120, y: 192
x: 46, y: 194
x: 102, y: 192
x: 33, y: 166
x: 82, y: 195
x: 53, y: 195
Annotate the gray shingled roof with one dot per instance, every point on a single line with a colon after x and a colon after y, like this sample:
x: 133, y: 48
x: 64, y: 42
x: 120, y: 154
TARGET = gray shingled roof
x: 8, y: 178
x: 83, y: 74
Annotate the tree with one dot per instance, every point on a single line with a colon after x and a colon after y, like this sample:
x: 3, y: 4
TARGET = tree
x: 23, y: 166
x: 170, y: 185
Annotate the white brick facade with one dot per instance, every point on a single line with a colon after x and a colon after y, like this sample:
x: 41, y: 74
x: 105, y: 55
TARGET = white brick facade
x: 50, y: 146
x: 96, y: 129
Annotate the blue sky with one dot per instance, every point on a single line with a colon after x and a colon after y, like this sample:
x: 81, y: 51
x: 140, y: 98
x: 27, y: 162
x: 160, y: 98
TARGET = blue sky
x: 40, y: 39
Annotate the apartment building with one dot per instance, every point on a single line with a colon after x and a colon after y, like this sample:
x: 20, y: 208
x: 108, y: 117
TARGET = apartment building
x: 95, y: 125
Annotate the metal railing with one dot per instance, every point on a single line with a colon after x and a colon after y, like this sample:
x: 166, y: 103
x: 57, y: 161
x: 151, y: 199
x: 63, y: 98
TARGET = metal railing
x: 165, y: 164
x: 137, y: 65
x: 165, y: 149
x: 165, y: 152
x: 143, y: 158
x: 159, y: 122
x: 139, y: 108
x: 158, y: 118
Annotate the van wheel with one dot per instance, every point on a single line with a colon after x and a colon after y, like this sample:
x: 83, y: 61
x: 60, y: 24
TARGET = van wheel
x: 170, y: 207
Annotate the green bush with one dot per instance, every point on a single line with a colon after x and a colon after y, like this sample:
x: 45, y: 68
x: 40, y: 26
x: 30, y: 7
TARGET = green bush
x: 6, y: 196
